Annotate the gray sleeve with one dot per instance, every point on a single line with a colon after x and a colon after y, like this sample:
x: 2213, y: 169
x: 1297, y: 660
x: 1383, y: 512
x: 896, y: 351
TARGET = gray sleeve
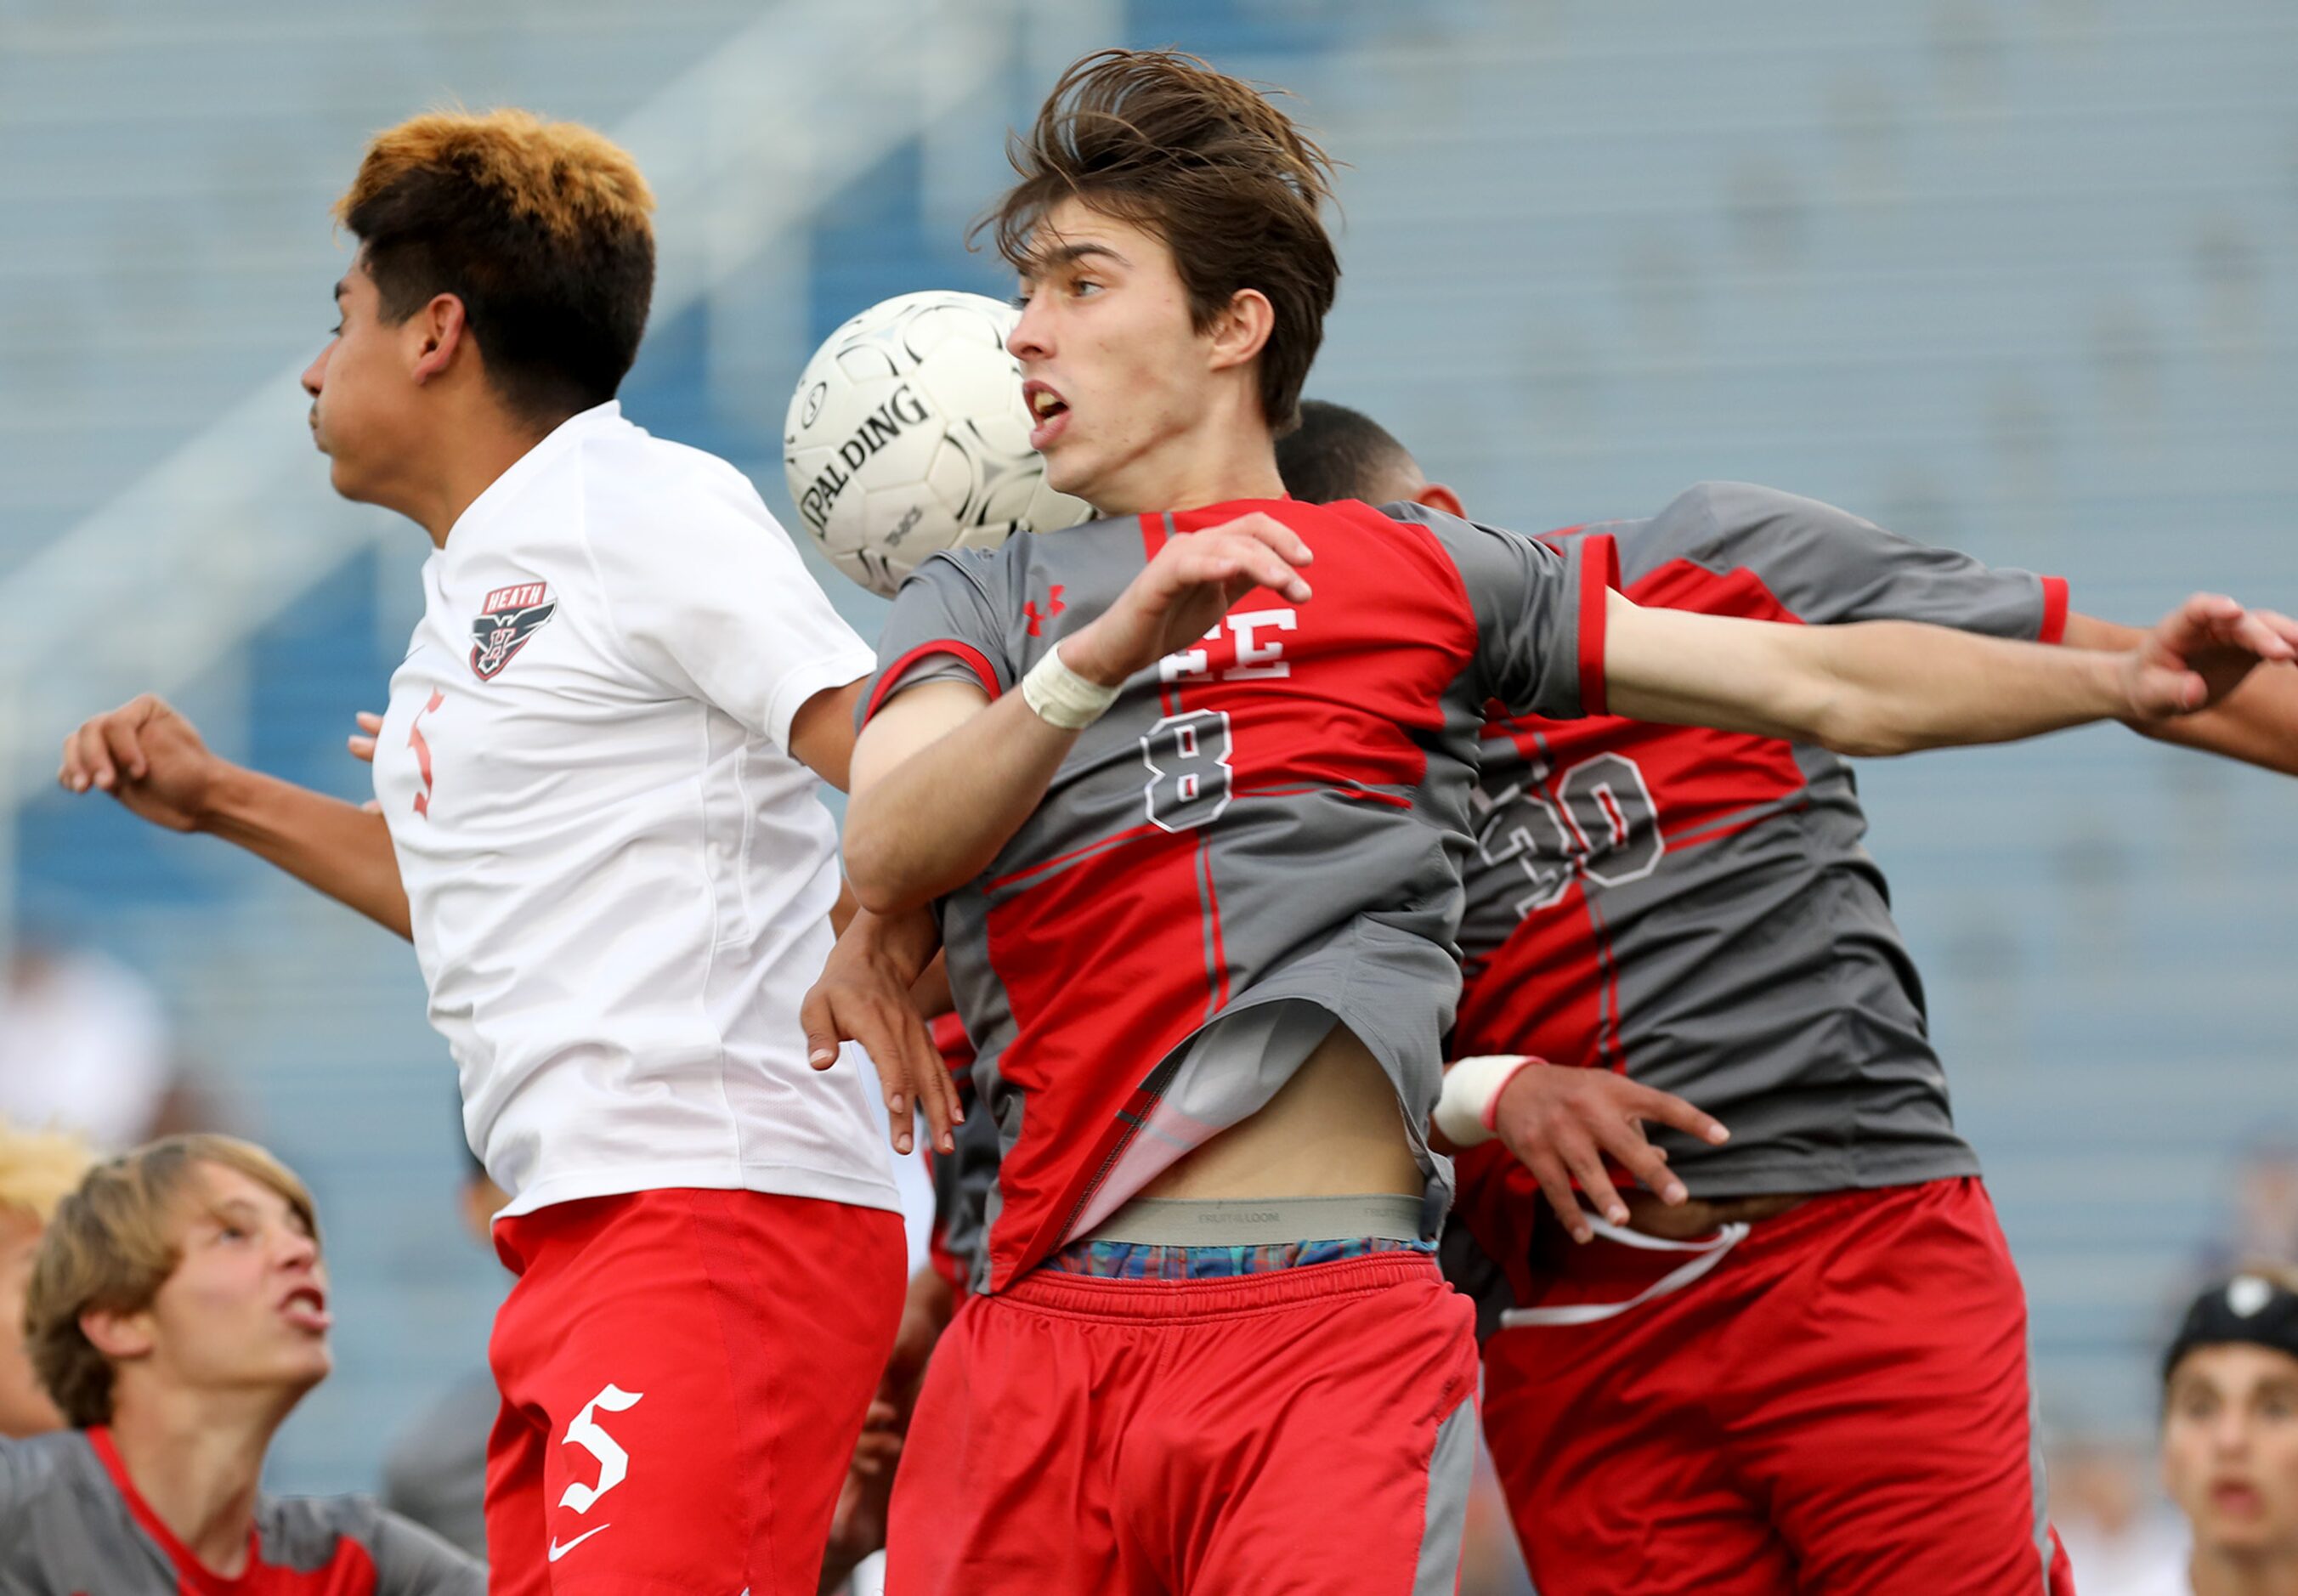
x: 304, y: 1532
x: 412, y: 1561
x: 1539, y: 614
x: 13, y: 1486
x: 1825, y: 564
x: 948, y: 622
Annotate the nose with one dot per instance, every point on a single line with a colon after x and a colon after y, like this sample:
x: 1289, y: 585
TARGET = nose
x: 316, y: 372
x: 1029, y: 340
x: 295, y: 1251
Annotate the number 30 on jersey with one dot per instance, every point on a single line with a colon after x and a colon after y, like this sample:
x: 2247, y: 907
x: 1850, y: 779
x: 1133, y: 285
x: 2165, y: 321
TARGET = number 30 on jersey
x: 1597, y: 819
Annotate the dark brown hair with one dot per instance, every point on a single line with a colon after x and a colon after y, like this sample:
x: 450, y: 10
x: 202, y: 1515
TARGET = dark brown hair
x: 1339, y: 453
x: 1204, y: 162
x: 542, y: 229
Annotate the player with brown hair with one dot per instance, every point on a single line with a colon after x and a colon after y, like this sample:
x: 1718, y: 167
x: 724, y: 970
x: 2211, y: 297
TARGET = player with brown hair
x: 178, y: 1314
x: 598, y: 824
x: 38, y: 1168
x: 1189, y: 823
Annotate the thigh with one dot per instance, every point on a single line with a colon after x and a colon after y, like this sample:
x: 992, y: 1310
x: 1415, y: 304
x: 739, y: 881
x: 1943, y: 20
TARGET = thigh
x: 700, y: 1367
x: 1616, y: 1477
x: 517, y: 1520
x: 1888, y: 1413
x: 1322, y: 1447
x: 999, y: 1491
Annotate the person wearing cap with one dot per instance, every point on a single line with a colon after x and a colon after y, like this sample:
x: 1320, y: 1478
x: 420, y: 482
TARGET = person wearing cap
x: 2230, y: 1434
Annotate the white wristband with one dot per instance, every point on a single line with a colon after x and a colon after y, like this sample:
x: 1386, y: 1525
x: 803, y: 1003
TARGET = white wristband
x: 1472, y: 1091
x: 1062, y: 697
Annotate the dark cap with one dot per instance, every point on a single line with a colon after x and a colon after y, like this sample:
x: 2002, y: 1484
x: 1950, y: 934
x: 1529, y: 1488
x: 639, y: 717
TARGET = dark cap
x: 2249, y: 1309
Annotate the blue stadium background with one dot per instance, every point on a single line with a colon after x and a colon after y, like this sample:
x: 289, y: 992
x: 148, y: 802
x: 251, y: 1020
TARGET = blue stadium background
x: 2018, y: 276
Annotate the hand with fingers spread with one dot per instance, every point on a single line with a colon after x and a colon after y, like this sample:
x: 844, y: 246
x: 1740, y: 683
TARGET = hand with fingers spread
x: 1188, y: 588
x: 864, y: 996
x: 1563, y: 1123
x: 149, y: 758
x: 2199, y: 653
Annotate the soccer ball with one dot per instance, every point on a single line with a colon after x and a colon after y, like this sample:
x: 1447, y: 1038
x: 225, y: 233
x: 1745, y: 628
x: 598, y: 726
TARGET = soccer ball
x: 908, y: 435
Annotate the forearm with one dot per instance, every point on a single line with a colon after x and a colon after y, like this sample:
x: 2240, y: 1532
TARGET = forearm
x: 1893, y: 686
x: 335, y: 847
x: 936, y: 820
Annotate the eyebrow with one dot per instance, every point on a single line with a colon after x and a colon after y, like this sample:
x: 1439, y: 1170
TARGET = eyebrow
x: 1068, y: 254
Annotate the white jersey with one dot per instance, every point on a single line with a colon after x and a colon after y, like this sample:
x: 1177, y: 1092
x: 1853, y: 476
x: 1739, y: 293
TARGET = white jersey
x: 620, y: 878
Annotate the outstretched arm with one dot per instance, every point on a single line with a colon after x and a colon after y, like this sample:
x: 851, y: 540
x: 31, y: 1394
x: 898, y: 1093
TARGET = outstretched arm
x: 1892, y: 687
x: 2257, y: 722
x: 153, y: 760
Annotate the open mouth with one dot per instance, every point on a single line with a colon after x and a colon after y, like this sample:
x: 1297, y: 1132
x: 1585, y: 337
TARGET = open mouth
x: 306, y: 1307
x: 1048, y: 411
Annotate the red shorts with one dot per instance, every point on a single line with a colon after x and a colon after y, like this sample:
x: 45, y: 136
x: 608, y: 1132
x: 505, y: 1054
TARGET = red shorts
x: 1309, y: 1431
x: 1840, y: 1406
x: 684, y: 1376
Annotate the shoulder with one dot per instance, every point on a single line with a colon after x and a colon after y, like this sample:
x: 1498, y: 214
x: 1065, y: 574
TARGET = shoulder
x: 304, y: 1533
x: 633, y: 482
x: 1477, y: 550
x: 1082, y: 557
x: 41, y: 1465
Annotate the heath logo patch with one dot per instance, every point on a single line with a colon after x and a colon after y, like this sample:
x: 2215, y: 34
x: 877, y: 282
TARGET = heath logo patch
x: 511, y: 616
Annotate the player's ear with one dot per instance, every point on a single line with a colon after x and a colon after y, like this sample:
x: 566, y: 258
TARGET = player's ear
x: 1241, y: 331
x: 119, y: 1336
x: 435, y: 332
x: 1435, y: 495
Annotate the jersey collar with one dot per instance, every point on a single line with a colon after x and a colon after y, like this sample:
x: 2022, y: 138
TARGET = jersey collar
x: 197, y: 1577
x: 557, y: 442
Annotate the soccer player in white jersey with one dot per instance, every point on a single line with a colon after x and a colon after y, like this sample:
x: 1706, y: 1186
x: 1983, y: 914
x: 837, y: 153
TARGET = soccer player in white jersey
x: 599, y: 826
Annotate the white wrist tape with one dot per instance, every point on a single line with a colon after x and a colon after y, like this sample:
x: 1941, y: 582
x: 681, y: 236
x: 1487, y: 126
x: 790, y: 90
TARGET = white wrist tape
x: 1062, y: 697
x: 1472, y: 1093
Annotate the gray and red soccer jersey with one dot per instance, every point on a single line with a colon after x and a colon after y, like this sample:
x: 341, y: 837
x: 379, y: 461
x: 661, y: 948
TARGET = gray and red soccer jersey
x: 1695, y: 907
x: 72, y: 1524
x: 1268, y: 820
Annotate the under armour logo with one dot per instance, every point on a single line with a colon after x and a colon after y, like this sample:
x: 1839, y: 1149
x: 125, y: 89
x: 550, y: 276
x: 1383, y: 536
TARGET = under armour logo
x: 1053, y: 607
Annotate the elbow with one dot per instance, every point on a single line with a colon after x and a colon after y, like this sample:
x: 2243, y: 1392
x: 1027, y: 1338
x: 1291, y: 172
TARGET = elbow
x: 876, y: 887
x: 1863, y: 732
x: 881, y: 881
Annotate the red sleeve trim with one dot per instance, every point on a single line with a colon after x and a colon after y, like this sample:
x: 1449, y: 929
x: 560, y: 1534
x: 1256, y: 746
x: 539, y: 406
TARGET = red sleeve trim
x: 1599, y: 573
x: 2054, y: 611
x: 967, y: 655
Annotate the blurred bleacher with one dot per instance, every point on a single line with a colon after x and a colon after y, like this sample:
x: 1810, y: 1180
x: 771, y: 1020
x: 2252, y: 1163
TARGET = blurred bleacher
x: 2017, y: 277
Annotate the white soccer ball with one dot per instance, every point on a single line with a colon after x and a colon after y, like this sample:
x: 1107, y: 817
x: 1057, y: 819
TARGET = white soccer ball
x: 908, y: 435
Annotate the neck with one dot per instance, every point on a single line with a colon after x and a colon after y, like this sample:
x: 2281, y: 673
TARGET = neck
x: 197, y: 1458
x: 2271, y: 1571
x: 1227, y: 455
x: 477, y: 448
